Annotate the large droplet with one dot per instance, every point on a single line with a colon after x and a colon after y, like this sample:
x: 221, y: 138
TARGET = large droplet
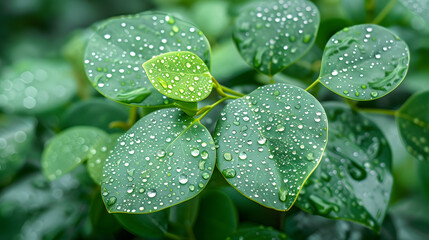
x: 151, y: 193
x: 111, y: 201
x: 229, y: 172
x: 183, y: 178
x: 356, y: 171
x: 227, y: 156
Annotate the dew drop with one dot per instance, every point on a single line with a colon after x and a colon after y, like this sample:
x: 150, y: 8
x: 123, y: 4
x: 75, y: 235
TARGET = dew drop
x: 111, y: 201
x: 151, y: 193
x: 242, y: 156
x: 227, y: 156
x: 229, y: 173
x: 183, y: 178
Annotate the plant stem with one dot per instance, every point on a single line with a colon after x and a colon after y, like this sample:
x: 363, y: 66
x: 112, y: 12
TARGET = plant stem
x: 206, y: 109
x: 174, y: 236
x: 228, y: 90
x: 386, y: 10
x: 312, y: 85
x: 131, y: 120
x: 379, y: 111
x: 272, y: 79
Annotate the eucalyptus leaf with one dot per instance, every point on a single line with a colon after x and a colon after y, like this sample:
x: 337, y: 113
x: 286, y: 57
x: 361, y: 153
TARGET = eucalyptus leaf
x: 166, y: 158
x: 100, y: 150
x: 413, y: 124
x: 257, y: 233
x: 271, y: 35
x: 180, y: 75
x: 364, y: 62
x: 68, y: 150
x: 217, y: 211
x: 145, y: 225
x: 119, y: 46
x: 36, y: 86
x: 16, y: 136
x: 418, y: 7
x: 354, y: 181
x: 270, y: 141
x: 183, y: 216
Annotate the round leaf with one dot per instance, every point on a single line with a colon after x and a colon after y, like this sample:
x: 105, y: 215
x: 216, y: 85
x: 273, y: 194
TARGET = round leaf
x: 36, y: 86
x: 257, y: 233
x: 68, y: 150
x: 152, y: 225
x: 364, y: 62
x: 271, y: 35
x: 119, y: 46
x: 270, y: 141
x: 353, y: 182
x: 413, y: 124
x: 418, y: 7
x: 101, y: 149
x: 166, y: 158
x: 16, y: 135
x: 180, y: 75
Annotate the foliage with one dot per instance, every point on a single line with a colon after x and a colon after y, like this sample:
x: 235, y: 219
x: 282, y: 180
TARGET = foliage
x: 155, y: 128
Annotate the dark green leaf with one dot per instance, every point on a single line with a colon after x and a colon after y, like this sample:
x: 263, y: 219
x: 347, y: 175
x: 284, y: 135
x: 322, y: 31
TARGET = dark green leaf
x: 164, y: 159
x: 423, y: 170
x: 116, y: 52
x: 36, y: 86
x: 16, y: 135
x: 270, y: 142
x: 413, y: 124
x: 271, y: 35
x: 68, y: 150
x: 102, y: 222
x: 257, y: 233
x: 364, y: 62
x: 145, y: 225
x: 180, y: 75
x: 183, y: 216
x: 353, y: 182
x: 216, y: 217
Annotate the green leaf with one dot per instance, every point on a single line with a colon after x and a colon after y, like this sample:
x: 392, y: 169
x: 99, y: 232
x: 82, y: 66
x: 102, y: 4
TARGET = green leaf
x: 96, y: 112
x: 183, y: 216
x: 16, y: 136
x: 145, y: 225
x: 257, y: 233
x: 68, y: 150
x: 180, y: 75
x: 423, y: 169
x: 413, y: 124
x: 116, y: 52
x: 270, y: 141
x: 217, y: 216
x: 353, y: 182
x: 100, y: 150
x: 271, y: 35
x: 36, y: 86
x: 418, y: 7
x: 166, y: 158
x: 102, y: 223
x: 364, y: 62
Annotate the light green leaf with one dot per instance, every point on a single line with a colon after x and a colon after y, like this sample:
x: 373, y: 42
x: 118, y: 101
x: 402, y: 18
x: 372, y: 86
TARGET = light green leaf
x: 166, y: 158
x: 364, y: 62
x: 271, y: 35
x: 180, y: 75
x: 217, y: 216
x: 100, y: 150
x: 354, y: 181
x: 36, y: 86
x: 16, y: 135
x: 145, y: 225
x: 257, y: 233
x: 68, y: 150
x: 418, y: 7
x: 119, y: 46
x: 270, y: 141
x: 413, y: 124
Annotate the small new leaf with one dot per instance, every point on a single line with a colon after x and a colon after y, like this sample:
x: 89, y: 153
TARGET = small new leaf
x: 180, y: 75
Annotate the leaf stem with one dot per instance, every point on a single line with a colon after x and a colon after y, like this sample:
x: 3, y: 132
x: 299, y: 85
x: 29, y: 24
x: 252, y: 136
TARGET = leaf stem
x: 174, y: 236
x: 272, y: 79
x: 222, y: 89
x: 229, y: 90
x: 379, y: 111
x: 206, y: 109
x: 312, y: 85
x: 126, y: 125
x: 386, y: 10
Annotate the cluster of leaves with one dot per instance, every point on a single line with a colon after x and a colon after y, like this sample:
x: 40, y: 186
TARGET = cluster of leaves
x: 170, y: 164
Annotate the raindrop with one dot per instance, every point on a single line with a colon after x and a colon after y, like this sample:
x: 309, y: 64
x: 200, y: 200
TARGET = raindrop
x: 195, y: 152
x: 111, y: 201
x: 151, y: 193
x: 242, y: 156
x: 183, y: 178
x: 205, y: 175
x: 229, y: 173
x: 227, y: 156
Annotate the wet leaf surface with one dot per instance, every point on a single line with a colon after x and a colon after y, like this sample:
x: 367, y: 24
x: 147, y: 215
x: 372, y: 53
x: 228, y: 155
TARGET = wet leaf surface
x: 418, y: 7
x: 257, y: 233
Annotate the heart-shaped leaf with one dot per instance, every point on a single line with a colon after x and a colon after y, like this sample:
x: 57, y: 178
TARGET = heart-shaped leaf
x: 166, y: 158
x: 270, y: 141
x: 101, y: 149
x: 418, y: 7
x: 257, y: 233
x: 119, y: 46
x: 36, y: 86
x: 364, y: 62
x: 152, y: 225
x: 16, y: 135
x: 353, y: 182
x: 68, y: 150
x: 271, y: 35
x: 180, y: 75
x: 413, y: 124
